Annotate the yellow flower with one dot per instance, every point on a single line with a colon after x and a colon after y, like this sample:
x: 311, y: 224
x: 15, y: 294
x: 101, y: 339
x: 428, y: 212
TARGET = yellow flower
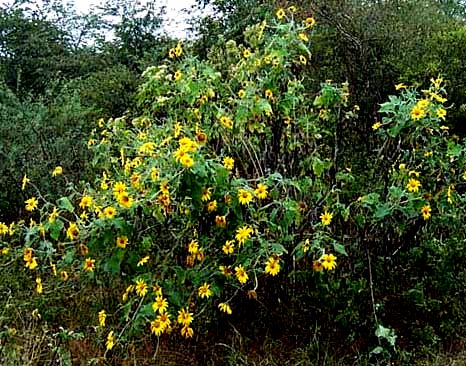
x: 329, y: 261
x: 400, y: 86
x: 261, y: 191
x: 64, y: 276
x: 193, y: 247
x: 119, y: 188
x: 110, y: 341
x: 122, y: 241
x: 143, y: 261
x: 302, y: 60
x: 160, y: 304
x: 225, y: 270
x: 31, y: 263
x: 227, y: 122
x: 425, y: 211
x: 241, y: 274
x: 57, y: 171
x: 54, y: 215
x: 72, y: 232
x: 156, y: 327
x: 303, y: 37
x: 125, y: 200
x: 212, y: 206
x: 280, y: 13
x: 223, y: 306
x: 39, y: 288
x: 109, y: 212
x: 154, y: 174
x: 241, y: 93
x: 376, y: 126
x: 187, y: 332
x: 141, y: 287
x: 441, y: 113
x: 243, y: 233
x: 206, y: 194
x: 413, y: 185
x: 178, y: 75
x: 417, y: 113
x: 31, y: 204
x: 268, y: 94
x: 423, y: 103
x: 326, y: 218
x: 185, y: 317
x: 86, y: 202
x: 309, y: 22
x: 5, y: 251
x: 229, y: 247
x: 228, y: 163
x: 89, y: 265
x: 246, y: 53
x: 102, y: 315
x: 221, y: 221
x: 187, y: 161
x: 272, y: 266
x: 244, y: 196
x: 164, y: 319
x: 204, y: 291
x: 25, y: 181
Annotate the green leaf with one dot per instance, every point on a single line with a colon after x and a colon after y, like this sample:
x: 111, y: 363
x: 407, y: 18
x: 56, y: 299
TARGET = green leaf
x: 382, y: 211
x: 65, y: 204
x: 55, y: 229
x: 339, y: 248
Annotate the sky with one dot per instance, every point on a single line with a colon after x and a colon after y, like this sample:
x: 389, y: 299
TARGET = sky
x: 175, y: 23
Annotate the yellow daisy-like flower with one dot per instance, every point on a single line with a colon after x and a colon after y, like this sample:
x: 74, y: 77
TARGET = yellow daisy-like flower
x: 64, y: 276
x: 243, y: 233
x: 86, y: 202
x: 441, y: 113
x: 329, y: 261
x: 280, y: 14
x: 268, y: 94
x: 413, y: 185
x: 193, y: 247
x: 425, y: 211
x: 187, y: 161
x: 212, y: 206
x: 204, y: 291
x: 326, y: 218
x: 122, y: 241
x: 261, y: 191
x: 110, y: 341
x: 241, y: 93
x: 423, y: 103
x: 141, y: 288
x: 400, y: 86
x: 241, y: 274
x: 244, y: 196
x: 303, y: 37
x: 227, y: 122
x: 178, y: 75
x: 72, y: 232
x: 31, y: 204
x: 160, y: 304
x: 119, y: 188
x: 223, y: 306
x: 376, y: 126
x: 228, y: 163
x: 102, y: 315
x: 109, y: 212
x: 302, y: 60
x: 246, y: 53
x: 89, y: 265
x: 229, y: 247
x: 417, y: 113
x: 187, y: 332
x: 184, y: 317
x: 156, y: 327
x: 206, y: 194
x: 125, y: 200
x: 221, y: 221
x: 309, y: 22
x: 57, y: 171
x: 272, y: 266
x: 164, y: 319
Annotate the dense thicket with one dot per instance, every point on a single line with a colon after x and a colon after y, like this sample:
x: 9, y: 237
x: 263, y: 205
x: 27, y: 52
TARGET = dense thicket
x: 60, y: 72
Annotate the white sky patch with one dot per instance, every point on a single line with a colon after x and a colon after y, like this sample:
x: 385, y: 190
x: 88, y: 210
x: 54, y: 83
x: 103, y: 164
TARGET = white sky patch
x: 178, y: 12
